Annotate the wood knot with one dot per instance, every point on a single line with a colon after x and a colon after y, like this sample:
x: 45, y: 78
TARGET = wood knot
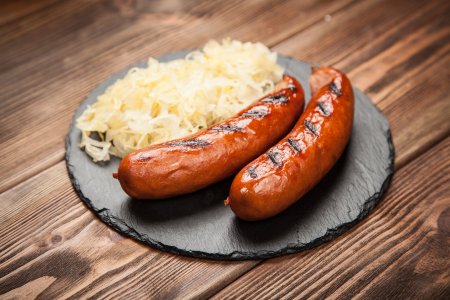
x: 56, y: 239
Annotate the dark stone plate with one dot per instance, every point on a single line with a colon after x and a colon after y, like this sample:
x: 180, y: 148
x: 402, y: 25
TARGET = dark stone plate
x: 199, y: 225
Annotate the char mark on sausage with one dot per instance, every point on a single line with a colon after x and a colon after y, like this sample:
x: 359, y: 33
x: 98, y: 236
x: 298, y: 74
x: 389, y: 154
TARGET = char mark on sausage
x: 222, y: 128
x: 255, y: 114
x: 323, y: 109
x: 275, y: 158
x: 252, y: 172
x: 311, y: 127
x: 334, y: 89
x: 192, y: 143
x: 292, y: 87
x: 276, y: 99
x: 294, y: 145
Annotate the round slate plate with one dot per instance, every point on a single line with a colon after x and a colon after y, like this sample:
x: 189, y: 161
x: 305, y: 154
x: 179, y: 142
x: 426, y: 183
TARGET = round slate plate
x: 199, y: 225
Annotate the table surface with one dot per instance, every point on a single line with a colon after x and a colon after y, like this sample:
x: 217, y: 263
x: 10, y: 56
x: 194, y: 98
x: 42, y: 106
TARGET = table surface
x: 53, y: 53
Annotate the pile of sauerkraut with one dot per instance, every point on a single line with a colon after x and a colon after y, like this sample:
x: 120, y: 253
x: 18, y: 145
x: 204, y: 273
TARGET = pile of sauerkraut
x: 169, y: 100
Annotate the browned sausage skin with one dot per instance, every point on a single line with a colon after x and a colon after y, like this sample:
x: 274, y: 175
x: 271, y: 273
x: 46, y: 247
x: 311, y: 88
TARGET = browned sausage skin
x: 279, y: 177
x: 186, y: 165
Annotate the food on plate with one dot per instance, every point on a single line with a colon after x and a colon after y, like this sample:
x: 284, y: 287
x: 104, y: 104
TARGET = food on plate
x: 188, y: 164
x: 169, y: 100
x: 283, y: 174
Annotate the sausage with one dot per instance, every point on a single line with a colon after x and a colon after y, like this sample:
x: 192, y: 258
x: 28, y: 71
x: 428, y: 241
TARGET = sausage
x: 188, y: 164
x: 279, y: 177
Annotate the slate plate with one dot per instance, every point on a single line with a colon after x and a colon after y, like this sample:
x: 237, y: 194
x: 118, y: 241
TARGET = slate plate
x: 199, y: 225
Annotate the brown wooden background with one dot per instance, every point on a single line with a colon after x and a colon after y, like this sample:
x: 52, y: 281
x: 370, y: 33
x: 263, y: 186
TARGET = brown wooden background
x: 53, y: 53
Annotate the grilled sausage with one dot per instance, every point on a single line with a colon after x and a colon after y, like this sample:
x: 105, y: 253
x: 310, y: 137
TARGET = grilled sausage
x: 279, y: 177
x: 186, y: 165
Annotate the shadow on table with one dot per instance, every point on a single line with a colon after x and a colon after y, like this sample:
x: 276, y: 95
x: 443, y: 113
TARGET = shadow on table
x: 165, y: 210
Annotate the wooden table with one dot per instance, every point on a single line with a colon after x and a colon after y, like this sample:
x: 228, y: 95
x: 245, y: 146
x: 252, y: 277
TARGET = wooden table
x: 53, y: 53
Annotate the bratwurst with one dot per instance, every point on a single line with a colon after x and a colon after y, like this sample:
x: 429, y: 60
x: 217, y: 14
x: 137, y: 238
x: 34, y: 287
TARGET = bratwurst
x: 188, y: 164
x: 282, y: 175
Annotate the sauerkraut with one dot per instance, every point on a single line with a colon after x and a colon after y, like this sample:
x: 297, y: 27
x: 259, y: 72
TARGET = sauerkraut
x: 169, y: 100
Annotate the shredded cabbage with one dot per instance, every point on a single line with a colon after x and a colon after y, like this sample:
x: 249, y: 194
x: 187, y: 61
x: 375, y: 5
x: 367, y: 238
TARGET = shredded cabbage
x: 169, y: 100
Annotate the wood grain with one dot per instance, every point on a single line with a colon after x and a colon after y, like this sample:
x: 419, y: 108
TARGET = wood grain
x: 90, y: 40
x: 47, y: 231
x: 399, y: 252
x: 52, y: 246
x: 13, y: 10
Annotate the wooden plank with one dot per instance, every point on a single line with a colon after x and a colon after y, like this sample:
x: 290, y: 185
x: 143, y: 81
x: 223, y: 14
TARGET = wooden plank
x: 399, y: 252
x: 51, y: 64
x: 348, y: 40
x: 11, y: 10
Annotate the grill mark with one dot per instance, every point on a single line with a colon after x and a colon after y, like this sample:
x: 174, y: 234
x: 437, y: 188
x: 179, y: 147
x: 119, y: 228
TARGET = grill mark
x: 276, y: 99
x: 222, y: 128
x: 294, y: 145
x: 252, y: 172
x: 274, y: 157
x: 255, y: 114
x: 292, y: 87
x: 334, y: 89
x: 193, y: 143
x: 323, y: 109
x: 311, y: 127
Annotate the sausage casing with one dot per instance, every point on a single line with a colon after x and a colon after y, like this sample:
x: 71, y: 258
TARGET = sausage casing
x: 282, y: 175
x: 186, y: 165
